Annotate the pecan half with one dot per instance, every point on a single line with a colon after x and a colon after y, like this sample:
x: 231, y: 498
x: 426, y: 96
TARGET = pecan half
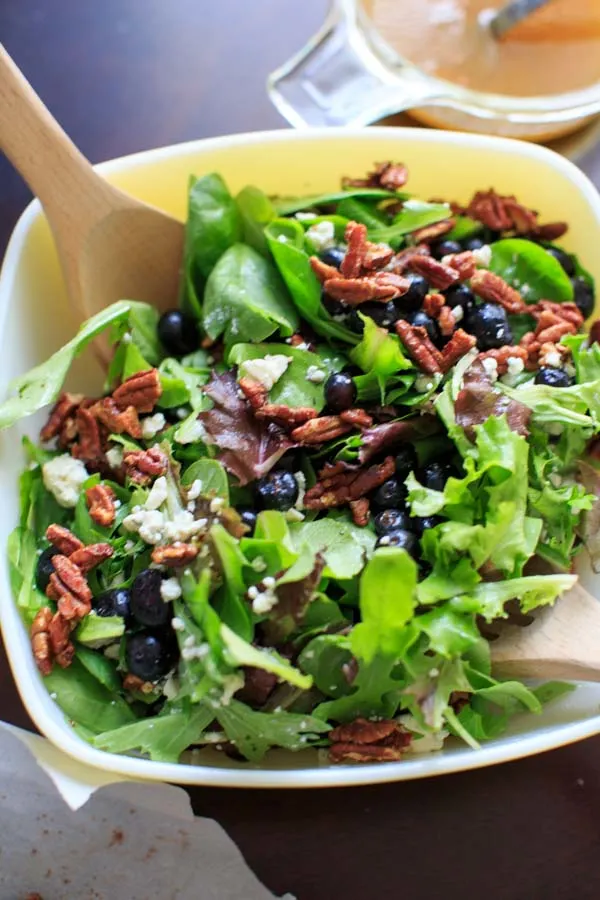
x: 117, y: 421
x: 61, y: 538
x: 323, y: 271
x: 89, y: 445
x: 175, y: 556
x: 64, y: 408
x: 502, y: 356
x: 502, y: 213
x: 389, y: 175
x: 69, y: 585
x: 100, y: 499
x: 286, y: 415
x: 432, y: 304
x: 365, y: 741
x: 255, y: 393
x: 403, y: 260
x: 59, y: 631
x: 341, y: 483
x: 91, y: 556
x: 568, y: 312
x: 439, y: 275
x: 495, y: 289
x: 144, y: 465
x: 319, y: 430
x: 40, y: 640
x: 361, y: 253
x: 433, y: 232
x: 356, y: 417
x: 141, y: 391
x: 360, y: 511
x: 459, y: 344
x: 363, y: 731
x: 381, y: 286
x: 465, y: 263
x: 419, y: 346
x: 552, y: 231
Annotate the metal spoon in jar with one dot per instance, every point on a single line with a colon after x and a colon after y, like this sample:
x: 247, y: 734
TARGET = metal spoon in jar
x: 510, y: 15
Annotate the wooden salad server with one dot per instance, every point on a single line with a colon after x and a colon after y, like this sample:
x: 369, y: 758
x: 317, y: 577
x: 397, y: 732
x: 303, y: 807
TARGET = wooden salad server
x: 111, y: 246
x: 563, y: 642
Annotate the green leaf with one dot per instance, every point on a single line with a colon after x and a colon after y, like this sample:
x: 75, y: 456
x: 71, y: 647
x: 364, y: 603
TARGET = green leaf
x: 42, y: 384
x: 83, y: 699
x: 181, y: 385
x: 343, y: 545
x: 379, y: 353
x: 211, y: 474
x: 531, y: 270
x: 287, y: 231
x: 323, y: 658
x: 142, y: 326
x: 96, y: 630
x: 286, y: 206
x: 245, y: 297
x: 241, y: 653
x: 163, y: 738
x: 464, y: 228
x: 254, y: 732
x: 103, y: 669
x: 415, y: 214
x: 572, y: 406
x: 256, y: 211
x: 450, y: 633
x: 213, y: 225
x: 359, y: 211
x: 531, y: 591
x: 233, y: 612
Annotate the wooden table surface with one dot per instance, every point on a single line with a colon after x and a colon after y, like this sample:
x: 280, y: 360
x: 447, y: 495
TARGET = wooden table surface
x: 127, y: 75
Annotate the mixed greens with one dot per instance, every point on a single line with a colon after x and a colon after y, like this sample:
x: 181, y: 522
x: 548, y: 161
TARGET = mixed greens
x: 306, y: 496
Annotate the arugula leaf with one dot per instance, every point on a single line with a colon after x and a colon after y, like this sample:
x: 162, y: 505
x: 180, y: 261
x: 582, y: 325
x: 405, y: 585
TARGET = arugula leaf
x: 84, y: 700
x: 342, y: 544
x: 294, y: 590
x: 287, y: 231
x: 163, y: 738
x: 254, y: 732
x: 531, y: 270
x: 42, y: 384
x: 256, y: 211
x: 286, y: 206
x: 241, y: 653
x: 181, y: 385
x: 244, y: 296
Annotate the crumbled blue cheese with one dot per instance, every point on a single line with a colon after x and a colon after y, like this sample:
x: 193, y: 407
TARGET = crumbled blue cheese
x: 231, y: 685
x: 305, y: 216
x: 63, y: 476
x: 294, y: 515
x: 171, y: 687
x: 267, y: 370
x: 263, y: 600
x: 216, y: 504
x: 183, y: 527
x: 458, y: 313
x: 316, y: 374
x: 491, y: 368
x: 195, y: 489
x: 515, y: 366
x: 553, y: 358
x: 148, y: 523
x: 301, y: 482
x: 114, y: 457
x: 158, y: 494
x: 177, y: 624
x: 483, y: 256
x: 170, y: 590
x: 151, y: 425
x: 321, y: 235
x: 424, y: 384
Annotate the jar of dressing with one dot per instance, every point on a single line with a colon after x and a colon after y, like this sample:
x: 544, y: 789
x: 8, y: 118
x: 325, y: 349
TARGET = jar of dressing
x: 439, y: 60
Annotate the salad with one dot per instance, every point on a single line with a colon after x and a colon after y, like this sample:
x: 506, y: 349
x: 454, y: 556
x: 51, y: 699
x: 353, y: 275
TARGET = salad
x: 304, y: 498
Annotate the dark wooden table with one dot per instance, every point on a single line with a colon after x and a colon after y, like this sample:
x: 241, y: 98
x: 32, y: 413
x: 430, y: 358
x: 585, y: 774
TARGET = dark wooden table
x: 126, y: 75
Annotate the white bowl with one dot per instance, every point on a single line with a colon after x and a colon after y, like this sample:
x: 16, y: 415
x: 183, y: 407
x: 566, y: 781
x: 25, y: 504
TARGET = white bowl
x: 35, y: 319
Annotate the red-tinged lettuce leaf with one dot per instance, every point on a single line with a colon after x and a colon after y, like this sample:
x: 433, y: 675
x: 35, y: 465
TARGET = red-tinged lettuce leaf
x: 249, y: 448
x: 479, y: 399
x: 381, y: 437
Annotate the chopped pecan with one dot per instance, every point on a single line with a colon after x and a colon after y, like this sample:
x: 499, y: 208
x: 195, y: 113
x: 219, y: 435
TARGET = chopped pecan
x: 135, y: 684
x: 553, y: 322
x: 89, y: 446
x: 389, y: 175
x: 377, y: 256
x: 433, y: 232
x: 323, y: 271
x: 532, y: 346
x: 117, y: 421
x: 419, y: 346
x: 381, y: 286
x: 175, y: 556
x: 502, y: 356
x: 141, y: 391
x: 459, y: 344
x: 363, y: 731
x: 360, y: 511
x: 365, y: 741
x: 465, y: 263
x: 403, y: 260
x: 552, y: 231
x: 439, y: 275
x: 553, y: 333
x: 68, y: 583
x: 492, y: 287
x: 446, y: 321
x: 501, y: 213
x: 100, y: 499
x: 342, y: 483
x: 254, y: 391
x: 61, y: 538
x: 321, y: 429
x: 88, y: 557
x: 59, y: 631
x: 432, y: 304
x: 356, y: 238
x: 568, y: 312
x: 286, y: 414
x: 64, y: 409
x: 40, y: 640
x: 143, y: 465
x: 357, y: 417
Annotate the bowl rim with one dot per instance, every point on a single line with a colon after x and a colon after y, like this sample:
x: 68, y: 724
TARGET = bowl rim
x: 417, y: 766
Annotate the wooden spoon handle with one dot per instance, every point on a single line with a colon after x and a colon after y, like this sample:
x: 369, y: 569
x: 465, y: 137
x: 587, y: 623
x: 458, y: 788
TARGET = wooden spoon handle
x: 40, y: 150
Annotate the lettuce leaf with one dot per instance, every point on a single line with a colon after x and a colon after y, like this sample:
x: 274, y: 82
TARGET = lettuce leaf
x: 253, y: 733
x: 163, y: 738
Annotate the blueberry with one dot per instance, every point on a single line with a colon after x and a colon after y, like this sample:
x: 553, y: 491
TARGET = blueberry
x: 473, y: 243
x: 340, y: 392
x: 383, y: 314
x: 553, y: 377
x: 391, y: 520
x: 584, y: 296
x: 435, y: 475
x: 178, y: 333
x: 277, y: 490
x: 413, y: 299
x: 333, y: 256
x: 421, y: 524
x: 460, y: 295
x: 45, y: 568
x: 355, y: 323
x: 334, y: 307
x: 389, y: 495
x: 563, y: 258
x: 402, y: 538
x: 248, y: 517
x: 148, y: 656
x: 443, y: 248
x: 426, y: 322
x: 147, y: 605
x: 113, y: 603
x: 489, y: 324
x: 406, y: 461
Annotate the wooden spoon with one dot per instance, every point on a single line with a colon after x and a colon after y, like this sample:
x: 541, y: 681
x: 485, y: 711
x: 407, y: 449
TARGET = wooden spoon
x: 111, y: 246
x: 562, y: 642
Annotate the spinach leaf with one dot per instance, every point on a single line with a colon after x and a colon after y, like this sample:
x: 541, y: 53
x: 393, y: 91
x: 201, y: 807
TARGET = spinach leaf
x: 103, y: 669
x: 142, y: 325
x: 212, y: 475
x: 287, y: 231
x: 286, y: 206
x: 245, y: 298
x: 531, y: 270
x: 83, y: 699
x: 213, y: 225
x: 181, y: 385
x: 95, y: 629
x: 359, y: 211
x: 305, y: 289
x: 256, y: 211
x: 414, y: 214
x: 343, y: 545
x: 464, y: 228
x: 163, y: 738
